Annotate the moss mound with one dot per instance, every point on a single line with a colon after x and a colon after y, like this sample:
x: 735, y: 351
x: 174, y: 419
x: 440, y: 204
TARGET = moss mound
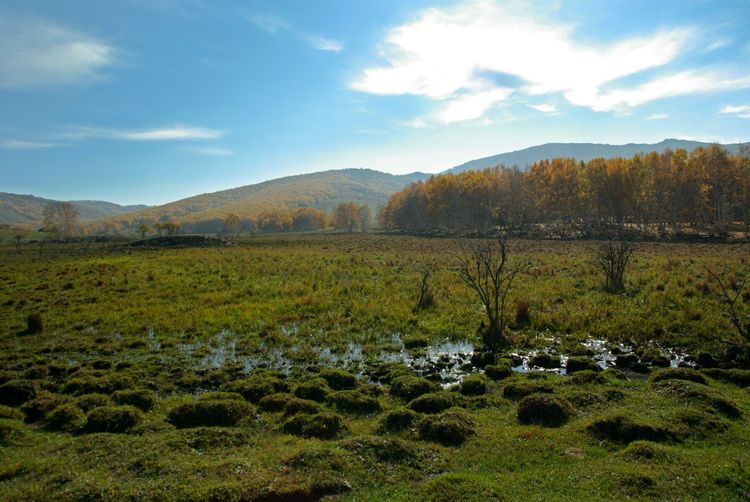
x: 112, y: 419
x: 474, y: 385
x: 88, y: 402
x: 498, y: 371
x: 451, y: 428
x: 460, y: 486
x: 316, y: 389
x: 275, y: 402
x: 211, y: 413
x: 410, y: 387
x: 518, y: 390
x: 352, y: 401
x: 544, y: 360
x: 17, y: 392
x: 143, y: 399
x: 586, y: 377
x: 11, y: 413
x: 738, y: 377
x: 391, y: 449
x: 398, y: 420
x: 620, y: 428
x: 319, y: 425
x: 256, y: 388
x: 66, y: 417
x: 679, y: 374
x: 700, y: 395
x: 296, y: 406
x: 338, y: 379
x: 645, y: 451
x: 544, y: 409
x: 580, y: 363
x: 36, y: 409
x: 435, y: 402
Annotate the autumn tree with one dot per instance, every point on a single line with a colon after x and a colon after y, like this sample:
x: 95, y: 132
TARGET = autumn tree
x: 60, y: 218
x: 171, y: 227
x: 231, y: 224
x: 346, y: 216
x: 143, y: 229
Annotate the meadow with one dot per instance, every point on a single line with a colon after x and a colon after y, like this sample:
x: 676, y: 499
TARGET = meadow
x: 296, y: 367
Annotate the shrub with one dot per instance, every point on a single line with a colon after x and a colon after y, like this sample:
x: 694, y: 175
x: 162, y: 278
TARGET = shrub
x: 435, y: 402
x: 16, y: 392
x: 544, y: 360
x: 143, y: 399
x: 34, y: 324
x: 338, y: 379
x: 580, y: 363
x: 679, y: 374
x: 410, y: 387
x: 518, y: 390
x: 36, y: 409
x: 523, y: 313
x: 315, y: 390
x: 451, y: 428
x: 352, y: 401
x: 398, y: 420
x: 112, y: 419
x: 66, y: 417
x: 88, y: 402
x: 218, y: 413
x: 297, y: 406
x: 474, y: 385
x: 544, y: 409
x: 620, y: 428
x: 275, y: 402
x: 498, y: 371
x: 319, y: 425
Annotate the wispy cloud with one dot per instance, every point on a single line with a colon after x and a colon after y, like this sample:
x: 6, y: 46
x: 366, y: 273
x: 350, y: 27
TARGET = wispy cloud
x: 19, y: 144
x: 449, y: 55
x: 177, y: 132
x: 544, y: 108
x: 36, y: 53
x: 658, y: 116
x: 211, y: 152
x: 273, y: 24
x: 741, y: 111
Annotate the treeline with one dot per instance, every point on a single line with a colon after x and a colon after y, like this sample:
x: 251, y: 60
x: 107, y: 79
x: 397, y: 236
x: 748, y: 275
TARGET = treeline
x: 659, y: 194
x: 346, y: 216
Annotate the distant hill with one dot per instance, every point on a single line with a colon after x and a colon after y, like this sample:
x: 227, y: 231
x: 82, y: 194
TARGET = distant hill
x: 580, y: 151
x: 28, y: 210
x: 321, y: 190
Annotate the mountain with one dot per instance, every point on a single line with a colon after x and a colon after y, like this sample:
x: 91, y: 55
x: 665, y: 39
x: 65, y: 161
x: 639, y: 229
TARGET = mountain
x: 321, y: 190
x: 28, y: 210
x: 580, y: 151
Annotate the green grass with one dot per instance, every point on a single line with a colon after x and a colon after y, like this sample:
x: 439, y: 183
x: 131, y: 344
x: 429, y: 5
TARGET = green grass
x: 181, y: 322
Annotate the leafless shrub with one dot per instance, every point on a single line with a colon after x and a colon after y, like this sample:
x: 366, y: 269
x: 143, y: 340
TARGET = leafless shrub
x: 611, y: 259
x: 427, y: 293
x: 732, y: 290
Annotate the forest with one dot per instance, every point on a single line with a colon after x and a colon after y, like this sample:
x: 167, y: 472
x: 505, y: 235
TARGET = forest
x: 673, y: 194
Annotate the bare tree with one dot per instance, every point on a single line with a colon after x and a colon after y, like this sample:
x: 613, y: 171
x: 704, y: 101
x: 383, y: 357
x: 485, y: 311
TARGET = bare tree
x: 611, y: 259
x: 729, y: 296
x: 426, y: 291
x: 485, y: 268
x: 60, y: 218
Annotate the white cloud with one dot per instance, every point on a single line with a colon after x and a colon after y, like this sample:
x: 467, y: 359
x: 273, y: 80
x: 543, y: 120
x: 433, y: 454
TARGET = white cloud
x: 172, y: 133
x: 717, y: 44
x: 544, y: 108
x: 36, y: 54
x: 273, y: 24
x: 657, y: 116
x: 449, y: 54
x: 741, y: 111
x: 471, y: 106
x: 19, y: 144
x: 212, y: 152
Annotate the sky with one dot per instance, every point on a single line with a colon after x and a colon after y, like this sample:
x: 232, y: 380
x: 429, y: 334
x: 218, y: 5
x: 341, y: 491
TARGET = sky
x: 150, y: 101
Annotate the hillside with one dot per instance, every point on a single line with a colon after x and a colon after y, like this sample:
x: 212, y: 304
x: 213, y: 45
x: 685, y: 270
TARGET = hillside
x: 579, y: 151
x: 322, y: 190
x: 28, y: 210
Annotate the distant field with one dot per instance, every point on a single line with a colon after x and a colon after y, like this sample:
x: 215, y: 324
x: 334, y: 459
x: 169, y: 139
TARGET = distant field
x: 160, y: 329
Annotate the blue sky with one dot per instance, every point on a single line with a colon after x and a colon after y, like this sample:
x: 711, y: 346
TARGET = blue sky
x: 148, y: 101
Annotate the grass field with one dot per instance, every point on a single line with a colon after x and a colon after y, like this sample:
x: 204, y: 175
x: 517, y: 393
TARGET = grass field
x: 205, y: 374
